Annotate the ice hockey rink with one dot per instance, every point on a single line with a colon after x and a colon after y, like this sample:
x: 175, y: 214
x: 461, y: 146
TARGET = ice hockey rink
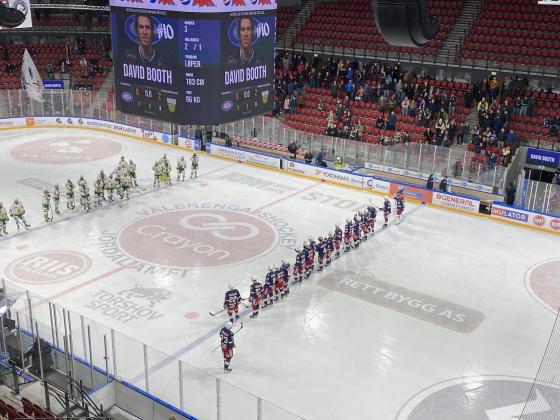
x: 445, y: 316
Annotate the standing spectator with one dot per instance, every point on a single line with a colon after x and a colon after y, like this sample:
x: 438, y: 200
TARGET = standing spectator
x: 430, y: 182
x: 443, y: 184
x: 293, y: 148
x: 404, y: 106
x: 287, y: 104
x: 392, y: 121
x: 83, y: 62
x: 524, y: 104
x: 531, y: 106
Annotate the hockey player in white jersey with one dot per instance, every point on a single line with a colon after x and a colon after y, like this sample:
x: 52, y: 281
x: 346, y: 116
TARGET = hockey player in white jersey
x: 17, y: 211
x: 56, y: 198
x: 46, y: 204
x: 194, y: 165
x: 3, y: 220
x: 181, y: 169
x: 132, y: 173
x: 70, y: 190
x: 157, y: 173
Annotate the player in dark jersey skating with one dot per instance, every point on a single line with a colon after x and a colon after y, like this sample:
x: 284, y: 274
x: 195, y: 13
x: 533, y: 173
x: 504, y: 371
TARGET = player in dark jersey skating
x: 231, y: 302
x: 386, y: 209
x: 329, y: 248
x: 337, y: 239
x: 399, y: 204
x: 298, y: 266
x: 365, y: 224
x: 255, y: 295
x: 320, y: 248
x: 372, y: 215
x: 269, y: 286
x: 308, y: 255
x: 227, y: 344
x: 356, y: 232
x: 347, y: 235
x: 285, y: 269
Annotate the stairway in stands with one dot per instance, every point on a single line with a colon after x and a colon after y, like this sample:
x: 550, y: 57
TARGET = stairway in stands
x: 449, y: 49
x: 296, y: 25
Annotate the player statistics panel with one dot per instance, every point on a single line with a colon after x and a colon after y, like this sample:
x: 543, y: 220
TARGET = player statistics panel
x: 193, y: 68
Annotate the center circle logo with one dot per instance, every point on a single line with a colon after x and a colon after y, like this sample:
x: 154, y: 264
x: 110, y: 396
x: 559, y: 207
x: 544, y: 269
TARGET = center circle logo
x: 48, y: 267
x: 485, y: 397
x: 197, y: 238
x: 543, y: 283
x: 65, y: 150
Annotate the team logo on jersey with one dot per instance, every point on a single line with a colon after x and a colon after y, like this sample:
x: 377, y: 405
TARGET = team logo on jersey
x: 485, y: 397
x: 198, y: 237
x: 48, y: 267
x: 543, y: 284
x: 65, y: 150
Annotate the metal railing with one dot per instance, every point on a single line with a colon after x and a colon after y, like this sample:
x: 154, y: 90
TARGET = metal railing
x: 87, y: 345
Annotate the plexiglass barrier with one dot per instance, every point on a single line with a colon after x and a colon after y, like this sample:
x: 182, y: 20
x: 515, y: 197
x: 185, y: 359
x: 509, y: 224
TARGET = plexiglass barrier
x: 415, y: 157
x: 85, y: 345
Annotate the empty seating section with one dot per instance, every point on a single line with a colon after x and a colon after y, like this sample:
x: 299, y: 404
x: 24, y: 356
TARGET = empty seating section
x: 350, y: 24
x: 284, y: 17
x: 531, y: 128
x: 72, y: 22
x: 44, y: 54
x: 309, y: 118
x: 27, y: 410
x: 516, y: 32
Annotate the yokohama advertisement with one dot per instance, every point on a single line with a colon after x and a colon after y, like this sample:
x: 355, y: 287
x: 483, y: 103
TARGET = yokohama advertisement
x: 527, y: 218
x: 456, y: 202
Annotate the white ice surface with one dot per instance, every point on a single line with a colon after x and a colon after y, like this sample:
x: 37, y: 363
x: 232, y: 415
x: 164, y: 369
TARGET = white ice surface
x: 319, y: 353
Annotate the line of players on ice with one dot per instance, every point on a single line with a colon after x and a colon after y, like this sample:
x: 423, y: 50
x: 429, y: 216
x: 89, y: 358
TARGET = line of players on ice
x: 118, y: 182
x: 277, y: 280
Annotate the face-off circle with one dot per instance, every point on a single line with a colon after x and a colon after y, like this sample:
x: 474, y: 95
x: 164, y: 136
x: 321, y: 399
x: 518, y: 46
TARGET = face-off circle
x: 484, y: 398
x: 197, y: 238
x: 66, y: 150
x: 543, y: 283
x: 48, y: 267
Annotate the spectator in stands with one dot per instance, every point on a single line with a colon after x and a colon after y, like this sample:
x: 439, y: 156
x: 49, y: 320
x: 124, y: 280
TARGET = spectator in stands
x: 524, y: 104
x: 510, y: 138
x: 392, y: 122
x: 404, y: 106
x: 308, y: 157
x: 556, y: 178
x: 380, y: 122
x: 506, y: 155
x: 443, y: 184
x: 83, y: 62
x: 516, y: 105
x: 430, y: 182
x: 320, y: 105
x: 428, y: 136
x: 50, y: 70
x: 482, y: 106
x: 452, y: 105
x: 287, y: 104
x: 330, y: 120
x: 293, y: 105
x: 334, y: 89
x: 531, y: 106
x: 359, y: 131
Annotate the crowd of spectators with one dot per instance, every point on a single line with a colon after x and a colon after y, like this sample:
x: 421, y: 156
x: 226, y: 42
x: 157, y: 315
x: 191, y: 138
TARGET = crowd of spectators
x: 395, y: 94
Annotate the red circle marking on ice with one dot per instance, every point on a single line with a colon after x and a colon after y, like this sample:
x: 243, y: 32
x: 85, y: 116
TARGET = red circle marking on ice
x: 543, y: 282
x: 22, y: 247
x: 197, y: 238
x: 48, y: 267
x: 191, y: 315
x: 65, y: 150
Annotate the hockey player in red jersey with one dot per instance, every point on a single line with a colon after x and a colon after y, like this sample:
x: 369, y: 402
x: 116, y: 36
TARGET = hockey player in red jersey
x: 399, y: 204
x: 227, y: 345
x: 364, y: 219
x: 308, y: 257
x: 255, y: 296
x: 329, y: 248
x: 231, y: 302
x: 268, y: 288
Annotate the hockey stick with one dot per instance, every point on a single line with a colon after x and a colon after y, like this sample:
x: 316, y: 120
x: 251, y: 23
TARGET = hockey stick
x: 216, y: 313
x: 52, y: 213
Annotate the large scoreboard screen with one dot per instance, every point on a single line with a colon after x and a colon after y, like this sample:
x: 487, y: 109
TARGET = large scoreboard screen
x: 192, y: 62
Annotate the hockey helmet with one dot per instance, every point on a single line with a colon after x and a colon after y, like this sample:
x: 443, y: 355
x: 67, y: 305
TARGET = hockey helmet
x: 229, y: 325
x: 253, y: 279
x: 231, y: 287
